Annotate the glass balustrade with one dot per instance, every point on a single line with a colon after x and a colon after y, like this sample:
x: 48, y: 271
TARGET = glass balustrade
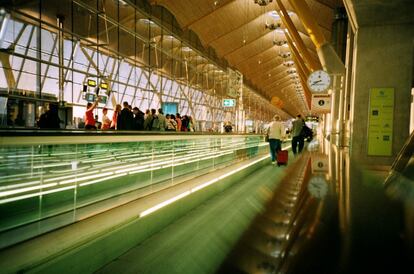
x: 43, y: 187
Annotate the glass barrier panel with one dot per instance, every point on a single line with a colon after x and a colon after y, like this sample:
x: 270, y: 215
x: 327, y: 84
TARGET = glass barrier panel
x: 43, y: 187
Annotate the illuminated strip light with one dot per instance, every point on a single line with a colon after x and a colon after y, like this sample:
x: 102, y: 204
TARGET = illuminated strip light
x: 25, y: 155
x: 4, y: 201
x: 197, y: 188
x: 178, y: 164
x: 12, y: 177
x: 80, y: 177
x: 51, y: 165
x: 85, y: 178
x: 17, y: 191
x: 119, y: 173
x: 164, y: 203
x: 103, y: 179
x: 19, y: 185
x: 180, y: 161
x: 213, y: 155
x: 68, y: 176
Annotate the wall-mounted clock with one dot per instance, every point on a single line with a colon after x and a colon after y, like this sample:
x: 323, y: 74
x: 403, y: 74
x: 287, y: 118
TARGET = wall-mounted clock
x: 319, y: 81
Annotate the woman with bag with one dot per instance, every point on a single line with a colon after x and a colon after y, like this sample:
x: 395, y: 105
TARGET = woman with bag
x: 275, y: 133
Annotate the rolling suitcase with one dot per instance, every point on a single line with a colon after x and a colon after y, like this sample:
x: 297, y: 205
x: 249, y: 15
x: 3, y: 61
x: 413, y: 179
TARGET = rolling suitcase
x: 282, y: 157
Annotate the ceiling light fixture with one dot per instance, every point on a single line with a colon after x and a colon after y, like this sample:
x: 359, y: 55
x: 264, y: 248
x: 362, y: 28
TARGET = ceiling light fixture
x: 272, y: 26
x: 263, y: 2
x: 288, y: 63
x: 279, y: 42
x: 284, y: 54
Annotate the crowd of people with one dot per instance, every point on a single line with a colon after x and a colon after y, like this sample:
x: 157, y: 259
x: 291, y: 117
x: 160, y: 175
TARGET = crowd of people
x: 127, y: 118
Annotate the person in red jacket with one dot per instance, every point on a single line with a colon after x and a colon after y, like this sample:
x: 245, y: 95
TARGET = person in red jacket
x: 89, y: 119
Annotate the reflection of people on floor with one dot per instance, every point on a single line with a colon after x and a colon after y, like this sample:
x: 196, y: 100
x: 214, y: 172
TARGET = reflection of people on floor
x: 228, y: 127
x: 297, y: 138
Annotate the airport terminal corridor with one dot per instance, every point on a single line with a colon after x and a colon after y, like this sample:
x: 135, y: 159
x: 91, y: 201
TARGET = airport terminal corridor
x: 206, y: 136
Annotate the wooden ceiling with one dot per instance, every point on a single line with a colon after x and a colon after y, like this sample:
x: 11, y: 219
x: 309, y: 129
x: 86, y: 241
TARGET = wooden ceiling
x: 236, y: 30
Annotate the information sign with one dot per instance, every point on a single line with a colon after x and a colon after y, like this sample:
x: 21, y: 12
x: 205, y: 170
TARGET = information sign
x: 229, y: 102
x: 380, y: 125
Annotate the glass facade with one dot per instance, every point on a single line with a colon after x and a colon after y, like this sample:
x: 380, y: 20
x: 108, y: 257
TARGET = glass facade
x: 51, y: 50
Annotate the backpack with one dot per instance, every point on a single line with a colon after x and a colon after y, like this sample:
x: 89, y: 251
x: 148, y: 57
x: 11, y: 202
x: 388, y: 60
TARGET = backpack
x: 154, y: 124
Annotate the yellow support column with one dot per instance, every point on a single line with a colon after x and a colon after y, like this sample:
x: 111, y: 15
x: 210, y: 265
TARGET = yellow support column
x: 301, y: 69
x: 327, y: 55
x: 8, y: 72
x: 296, y: 37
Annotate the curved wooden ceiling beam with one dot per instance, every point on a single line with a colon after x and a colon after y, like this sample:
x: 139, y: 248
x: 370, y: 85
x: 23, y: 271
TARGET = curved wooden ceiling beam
x: 235, y: 29
x: 273, y: 70
x: 267, y: 66
x: 275, y: 77
x: 188, y: 25
x: 278, y: 84
x: 260, y: 55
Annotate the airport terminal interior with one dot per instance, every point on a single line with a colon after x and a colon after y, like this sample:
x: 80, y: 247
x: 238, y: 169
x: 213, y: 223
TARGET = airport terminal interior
x: 207, y: 136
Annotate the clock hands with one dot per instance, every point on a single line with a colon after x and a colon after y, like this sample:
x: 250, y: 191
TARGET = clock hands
x: 315, y: 82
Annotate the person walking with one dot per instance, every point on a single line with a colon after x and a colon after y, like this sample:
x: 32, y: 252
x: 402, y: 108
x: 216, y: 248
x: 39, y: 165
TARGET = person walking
x: 276, y: 132
x: 297, y: 138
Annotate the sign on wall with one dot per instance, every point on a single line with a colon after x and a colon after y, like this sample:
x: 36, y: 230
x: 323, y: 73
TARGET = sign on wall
x: 229, y: 102
x: 380, y: 124
x: 321, y: 103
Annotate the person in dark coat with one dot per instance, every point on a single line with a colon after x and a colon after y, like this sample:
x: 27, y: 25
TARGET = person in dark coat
x: 125, y: 118
x: 50, y: 119
x: 138, y: 119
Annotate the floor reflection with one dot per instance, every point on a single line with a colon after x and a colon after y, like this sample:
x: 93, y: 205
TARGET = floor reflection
x: 328, y: 215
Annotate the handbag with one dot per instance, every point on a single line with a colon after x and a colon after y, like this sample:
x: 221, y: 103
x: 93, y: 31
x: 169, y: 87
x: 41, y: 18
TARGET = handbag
x: 267, y: 138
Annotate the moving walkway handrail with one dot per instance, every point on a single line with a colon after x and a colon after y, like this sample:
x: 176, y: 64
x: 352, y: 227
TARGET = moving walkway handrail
x: 37, y: 137
x: 401, y: 161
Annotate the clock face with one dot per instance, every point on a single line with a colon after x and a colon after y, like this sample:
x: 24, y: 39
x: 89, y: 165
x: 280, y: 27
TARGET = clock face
x: 318, y: 187
x: 319, y: 81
